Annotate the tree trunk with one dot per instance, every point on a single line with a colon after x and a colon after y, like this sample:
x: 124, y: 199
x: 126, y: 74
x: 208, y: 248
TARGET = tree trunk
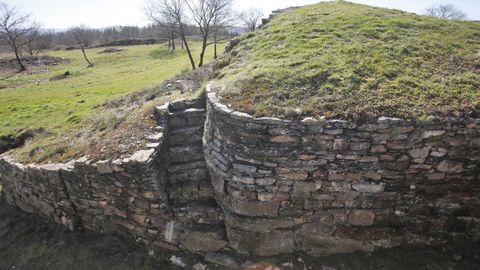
x: 204, y: 48
x: 86, y: 59
x: 169, y: 44
x: 172, y: 37
x: 19, y: 59
x: 188, y: 51
x: 215, y: 45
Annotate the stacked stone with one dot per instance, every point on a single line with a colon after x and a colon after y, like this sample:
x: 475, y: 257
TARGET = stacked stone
x: 335, y: 186
x: 124, y: 196
x: 190, y: 192
x: 38, y: 189
x: 273, y: 186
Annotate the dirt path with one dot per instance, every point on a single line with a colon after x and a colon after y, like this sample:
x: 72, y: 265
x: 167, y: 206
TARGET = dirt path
x: 27, y: 243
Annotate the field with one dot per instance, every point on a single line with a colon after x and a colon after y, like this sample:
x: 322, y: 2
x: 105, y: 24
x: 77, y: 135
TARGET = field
x: 55, y: 108
x: 344, y: 60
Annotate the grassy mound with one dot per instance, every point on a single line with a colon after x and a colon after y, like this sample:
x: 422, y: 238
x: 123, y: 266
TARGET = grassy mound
x: 351, y: 61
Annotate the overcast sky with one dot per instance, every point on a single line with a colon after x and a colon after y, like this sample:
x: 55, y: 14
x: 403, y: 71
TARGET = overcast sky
x: 102, y: 13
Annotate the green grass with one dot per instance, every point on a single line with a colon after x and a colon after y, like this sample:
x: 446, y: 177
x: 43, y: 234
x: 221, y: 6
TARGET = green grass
x: 351, y: 61
x: 75, y: 114
x: 32, y: 101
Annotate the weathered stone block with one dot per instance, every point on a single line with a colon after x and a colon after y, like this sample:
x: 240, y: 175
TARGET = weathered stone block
x: 262, y: 243
x: 292, y: 174
x: 361, y: 218
x: 203, y: 241
x: 359, y: 146
x: 317, y: 245
x: 369, y: 188
x: 449, y: 166
x: 284, y: 139
x: 256, y: 208
x: 246, y: 169
x: 306, y: 187
x: 419, y: 152
x: 340, y: 144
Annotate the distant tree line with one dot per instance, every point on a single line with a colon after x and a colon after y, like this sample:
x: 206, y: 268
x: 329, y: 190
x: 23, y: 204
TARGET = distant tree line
x: 171, y: 20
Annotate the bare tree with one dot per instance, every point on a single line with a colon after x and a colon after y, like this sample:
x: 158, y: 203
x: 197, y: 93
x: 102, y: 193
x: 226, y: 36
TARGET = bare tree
x: 83, y: 38
x: 446, y: 11
x: 14, y: 29
x: 37, y: 42
x: 175, y: 11
x: 222, y: 20
x: 162, y: 21
x: 204, y: 13
x: 251, y: 18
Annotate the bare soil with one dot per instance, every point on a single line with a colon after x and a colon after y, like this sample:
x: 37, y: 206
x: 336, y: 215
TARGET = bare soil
x: 27, y: 242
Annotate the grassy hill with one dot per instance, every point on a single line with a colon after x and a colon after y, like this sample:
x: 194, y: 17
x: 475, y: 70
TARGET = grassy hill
x: 351, y: 61
x: 71, y: 116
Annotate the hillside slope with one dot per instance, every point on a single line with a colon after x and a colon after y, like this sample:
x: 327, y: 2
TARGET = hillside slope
x: 351, y: 61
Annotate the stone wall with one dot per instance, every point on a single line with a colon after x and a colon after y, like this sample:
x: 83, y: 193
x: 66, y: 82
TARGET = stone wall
x: 266, y: 186
x: 334, y: 186
x: 160, y: 196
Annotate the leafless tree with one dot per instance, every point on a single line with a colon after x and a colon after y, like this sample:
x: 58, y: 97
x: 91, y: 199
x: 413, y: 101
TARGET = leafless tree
x: 38, y: 42
x: 14, y: 29
x: 162, y: 21
x: 204, y: 13
x: 83, y: 38
x: 221, y: 21
x: 175, y: 11
x: 446, y: 11
x: 251, y: 18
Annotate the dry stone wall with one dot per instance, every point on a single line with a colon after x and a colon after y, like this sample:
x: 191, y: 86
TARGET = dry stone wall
x: 160, y: 196
x: 334, y: 186
x: 213, y: 179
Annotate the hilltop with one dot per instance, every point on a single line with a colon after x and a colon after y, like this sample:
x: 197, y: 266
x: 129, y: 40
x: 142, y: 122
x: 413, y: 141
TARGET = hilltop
x: 351, y: 61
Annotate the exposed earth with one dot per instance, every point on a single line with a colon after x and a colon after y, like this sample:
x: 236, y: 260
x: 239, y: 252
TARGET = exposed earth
x: 26, y: 242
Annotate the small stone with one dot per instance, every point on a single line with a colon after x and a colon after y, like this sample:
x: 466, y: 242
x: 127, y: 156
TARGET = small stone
x: 359, y: 146
x: 244, y: 168
x: 333, y: 131
x: 361, y: 218
x: 104, y: 167
x: 379, y: 148
x: 155, y: 137
x: 372, y: 175
x: 292, y: 174
x: 265, y: 181
x: 368, y: 188
x: 368, y: 159
x: 256, y: 208
x: 340, y: 144
x: 432, y: 133
x: 449, y: 166
x: 221, y: 259
x: 142, y: 156
x: 306, y: 187
x: 439, y: 154
x: 420, y: 153
x: 436, y: 176
x: 310, y: 121
x: 140, y: 219
x: 177, y: 261
x: 284, y: 139
x: 244, y: 180
x: 200, y: 266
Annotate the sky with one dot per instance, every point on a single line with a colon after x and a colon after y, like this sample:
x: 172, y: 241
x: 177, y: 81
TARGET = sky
x: 62, y: 14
